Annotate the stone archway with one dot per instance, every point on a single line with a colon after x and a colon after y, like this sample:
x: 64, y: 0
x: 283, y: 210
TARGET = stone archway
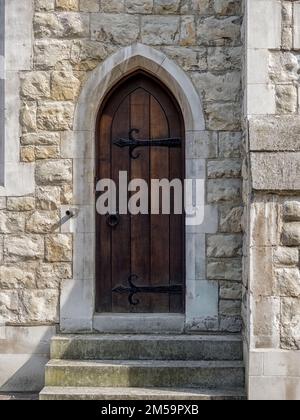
x: 78, y: 295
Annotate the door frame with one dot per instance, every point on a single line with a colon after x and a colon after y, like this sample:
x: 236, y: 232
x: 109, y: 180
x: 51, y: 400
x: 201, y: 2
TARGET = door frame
x: 77, y: 306
x: 106, y: 100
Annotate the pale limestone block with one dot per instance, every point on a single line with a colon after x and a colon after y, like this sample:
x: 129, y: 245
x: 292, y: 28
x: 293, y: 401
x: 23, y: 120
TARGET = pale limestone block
x: 224, y: 246
x: 138, y: 6
x: 20, y: 203
x: 275, y: 171
x: 264, y: 219
x: 53, y: 172
x: 59, y: 248
x: 264, y: 24
x: 290, y: 323
x: 23, y: 248
x: 69, y: 5
x: 270, y: 133
x: 119, y: 28
x: 261, y: 99
x: 160, y: 30
x: 266, y: 322
x: 291, y: 211
x: 291, y: 234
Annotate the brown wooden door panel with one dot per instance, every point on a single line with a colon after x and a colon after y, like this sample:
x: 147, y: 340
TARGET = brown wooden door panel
x: 150, y: 247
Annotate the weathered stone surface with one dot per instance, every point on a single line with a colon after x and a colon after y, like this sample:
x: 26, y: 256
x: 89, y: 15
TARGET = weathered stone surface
x: 231, y: 219
x: 291, y: 234
x: 27, y: 154
x: 86, y: 54
x: 160, y: 30
x: 23, y: 247
x: 43, y: 222
x: 43, y: 139
x: 66, y: 194
x: 121, y: 29
x: 288, y: 282
x: 230, y: 290
x: 224, y: 269
x: 286, y: 256
x: 187, y: 58
x: 286, y: 99
x: 187, y: 31
x: 46, y: 152
x: 64, y: 86
x: 224, y: 246
x: 263, y: 224
x: 231, y: 324
x: 291, y: 211
x: 266, y: 322
x: 71, y: 5
x: 28, y: 117
x: 17, y: 277
x: 283, y: 67
x: 223, y: 116
x: 215, y: 32
x: 290, y: 318
x: 215, y: 87
x: 62, y: 25
x: 222, y: 190
x: 47, y: 54
x: 228, y: 7
x: 230, y: 145
x: 20, y: 203
x: 112, y: 6
x: 224, y: 58
x: 262, y: 279
x: 55, y: 116
x: 36, y: 85
x: 53, y: 172
x: 230, y: 307
x: 9, y: 306
x: 229, y: 168
x: 138, y: 6
x: 166, y: 6
x: 59, y: 248
x: 11, y: 222
x: 39, y: 306
x: 270, y: 133
x: 275, y: 171
x: 44, y: 5
x: 89, y: 6
x: 50, y: 276
x: 48, y: 198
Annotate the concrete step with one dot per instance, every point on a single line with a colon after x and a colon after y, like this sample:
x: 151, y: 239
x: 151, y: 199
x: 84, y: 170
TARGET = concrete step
x: 151, y: 373
x: 147, y: 347
x: 110, y: 394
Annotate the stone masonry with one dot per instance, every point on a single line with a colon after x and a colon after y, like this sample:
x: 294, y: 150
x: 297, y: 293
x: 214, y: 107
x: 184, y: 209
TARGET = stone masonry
x: 271, y: 299
x: 71, y: 38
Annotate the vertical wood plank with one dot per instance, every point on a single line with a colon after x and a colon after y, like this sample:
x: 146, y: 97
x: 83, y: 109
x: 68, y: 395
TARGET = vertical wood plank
x: 140, y: 224
x: 160, y: 224
x: 120, y: 246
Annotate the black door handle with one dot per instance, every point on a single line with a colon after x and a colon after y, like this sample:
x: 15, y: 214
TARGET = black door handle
x: 112, y: 220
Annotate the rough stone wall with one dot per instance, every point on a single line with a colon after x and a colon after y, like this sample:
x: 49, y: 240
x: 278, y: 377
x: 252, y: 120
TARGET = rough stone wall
x: 271, y: 303
x: 71, y: 38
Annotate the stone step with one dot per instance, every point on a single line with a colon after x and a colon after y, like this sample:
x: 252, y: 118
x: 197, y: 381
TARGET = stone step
x: 147, y: 347
x: 110, y: 394
x: 151, y: 373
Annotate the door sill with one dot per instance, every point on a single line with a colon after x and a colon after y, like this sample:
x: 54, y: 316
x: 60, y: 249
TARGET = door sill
x: 139, y: 323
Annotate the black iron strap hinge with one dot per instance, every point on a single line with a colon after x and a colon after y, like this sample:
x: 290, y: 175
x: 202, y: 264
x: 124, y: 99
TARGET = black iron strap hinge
x: 134, y: 143
x: 132, y: 290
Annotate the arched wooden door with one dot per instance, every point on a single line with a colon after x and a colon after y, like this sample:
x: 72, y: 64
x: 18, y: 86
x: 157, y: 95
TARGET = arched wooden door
x: 140, y: 259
